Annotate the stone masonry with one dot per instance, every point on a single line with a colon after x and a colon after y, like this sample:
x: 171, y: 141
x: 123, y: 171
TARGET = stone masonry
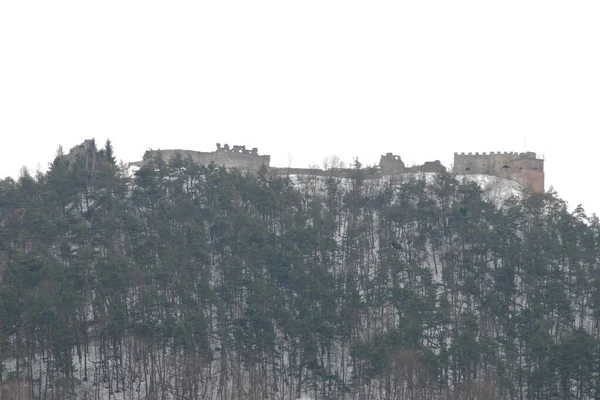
x: 235, y: 157
x: 523, y: 168
x: 391, y: 164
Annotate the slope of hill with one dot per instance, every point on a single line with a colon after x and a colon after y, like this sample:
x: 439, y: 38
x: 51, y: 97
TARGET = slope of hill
x: 197, y: 283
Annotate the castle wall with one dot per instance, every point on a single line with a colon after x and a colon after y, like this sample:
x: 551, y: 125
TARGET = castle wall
x: 533, y: 164
x: 391, y: 164
x: 523, y: 168
x: 471, y: 163
x: 429, y: 166
x: 532, y: 180
x: 244, y: 161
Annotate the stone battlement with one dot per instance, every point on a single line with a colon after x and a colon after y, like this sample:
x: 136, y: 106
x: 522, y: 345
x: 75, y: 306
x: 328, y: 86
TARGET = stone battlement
x: 236, y: 149
x: 505, y: 153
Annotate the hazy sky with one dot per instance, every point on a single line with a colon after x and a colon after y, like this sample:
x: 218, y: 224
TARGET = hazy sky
x: 303, y: 80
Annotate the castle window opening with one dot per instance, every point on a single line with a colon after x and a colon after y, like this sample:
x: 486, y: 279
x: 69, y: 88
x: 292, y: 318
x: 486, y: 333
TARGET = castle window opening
x: 467, y: 169
x: 505, y: 166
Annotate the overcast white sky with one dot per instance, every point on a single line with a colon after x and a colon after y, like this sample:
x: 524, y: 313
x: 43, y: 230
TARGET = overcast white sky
x: 306, y: 79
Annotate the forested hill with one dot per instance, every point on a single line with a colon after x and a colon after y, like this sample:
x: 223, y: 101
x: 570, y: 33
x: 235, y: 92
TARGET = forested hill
x: 191, y: 282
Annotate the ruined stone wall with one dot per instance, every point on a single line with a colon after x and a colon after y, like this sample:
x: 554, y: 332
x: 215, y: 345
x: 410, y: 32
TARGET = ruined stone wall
x: 429, y: 166
x: 238, y: 157
x: 391, y: 164
x: 523, y: 168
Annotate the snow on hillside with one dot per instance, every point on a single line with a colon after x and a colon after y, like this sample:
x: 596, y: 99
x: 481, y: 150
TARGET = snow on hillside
x: 495, y: 189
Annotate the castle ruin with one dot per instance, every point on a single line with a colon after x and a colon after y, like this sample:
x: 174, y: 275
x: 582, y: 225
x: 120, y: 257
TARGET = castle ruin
x: 523, y: 168
x: 237, y: 157
x: 391, y: 164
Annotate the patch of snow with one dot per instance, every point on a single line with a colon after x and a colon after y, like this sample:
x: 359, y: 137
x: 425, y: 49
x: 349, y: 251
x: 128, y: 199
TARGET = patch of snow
x: 496, y: 190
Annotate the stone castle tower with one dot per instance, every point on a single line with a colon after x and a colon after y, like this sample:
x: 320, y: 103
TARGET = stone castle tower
x: 523, y: 168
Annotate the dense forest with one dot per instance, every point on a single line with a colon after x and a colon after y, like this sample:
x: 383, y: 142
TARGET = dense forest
x: 183, y: 281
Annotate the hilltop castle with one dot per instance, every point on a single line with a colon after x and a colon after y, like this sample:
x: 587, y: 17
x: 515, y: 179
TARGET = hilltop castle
x: 523, y: 168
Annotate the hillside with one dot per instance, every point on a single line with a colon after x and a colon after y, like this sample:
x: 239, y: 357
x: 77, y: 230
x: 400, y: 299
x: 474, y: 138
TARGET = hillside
x: 192, y: 282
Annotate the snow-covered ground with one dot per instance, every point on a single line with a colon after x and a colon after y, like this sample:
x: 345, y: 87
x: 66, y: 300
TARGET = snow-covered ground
x: 495, y: 189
